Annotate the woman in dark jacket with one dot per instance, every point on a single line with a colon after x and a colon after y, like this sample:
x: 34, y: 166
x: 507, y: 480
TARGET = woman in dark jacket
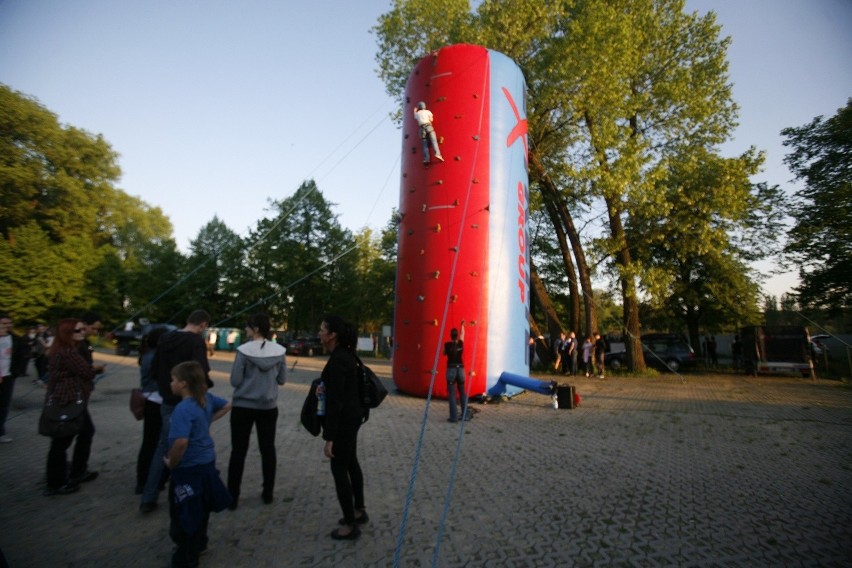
x: 151, y: 419
x: 343, y: 418
x: 69, y: 376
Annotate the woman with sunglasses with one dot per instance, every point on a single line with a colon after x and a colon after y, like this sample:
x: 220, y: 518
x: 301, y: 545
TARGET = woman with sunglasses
x: 70, y: 376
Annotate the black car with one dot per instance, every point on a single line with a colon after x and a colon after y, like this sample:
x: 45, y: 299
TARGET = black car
x: 128, y: 340
x: 662, y: 351
x: 308, y: 346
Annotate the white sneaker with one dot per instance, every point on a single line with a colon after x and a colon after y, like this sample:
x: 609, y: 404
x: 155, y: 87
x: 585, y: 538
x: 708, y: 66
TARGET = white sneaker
x: 5, y: 439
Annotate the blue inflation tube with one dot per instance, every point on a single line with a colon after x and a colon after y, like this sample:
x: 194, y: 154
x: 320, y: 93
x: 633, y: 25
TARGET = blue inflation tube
x: 528, y: 383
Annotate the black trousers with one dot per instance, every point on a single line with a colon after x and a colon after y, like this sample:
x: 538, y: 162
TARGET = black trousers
x: 152, y: 423
x: 242, y: 420
x: 348, y: 478
x: 57, y: 462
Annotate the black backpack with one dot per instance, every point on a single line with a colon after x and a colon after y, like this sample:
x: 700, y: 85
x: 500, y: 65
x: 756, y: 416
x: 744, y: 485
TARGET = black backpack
x: 371, y: 390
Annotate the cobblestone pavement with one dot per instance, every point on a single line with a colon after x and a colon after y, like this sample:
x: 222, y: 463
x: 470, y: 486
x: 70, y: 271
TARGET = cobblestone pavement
x: 718, y: 471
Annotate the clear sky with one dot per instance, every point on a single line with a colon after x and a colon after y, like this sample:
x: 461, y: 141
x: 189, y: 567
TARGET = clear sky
x: 217, y: 106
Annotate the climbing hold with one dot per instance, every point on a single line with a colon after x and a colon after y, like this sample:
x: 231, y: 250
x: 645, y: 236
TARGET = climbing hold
x: 457, y: 158
x: 421, y: 298
x: 474, y: 180
x: 454, y: 249
x: 408, y: 276
x: 436, y: 274
x: 438, y: 228
x: 476, y: 137
x: 423, y: 208
x: 422, y: 252
x: 474, y: 226
x: 453, y: 298
x: 439, y: 182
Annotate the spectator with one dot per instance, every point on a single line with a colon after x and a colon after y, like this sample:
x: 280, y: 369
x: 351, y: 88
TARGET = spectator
x: 174, y: 347
x: 343, y: 417
x: 13, y: 363
x: 260, y: 367
x: 70, y: 376
x: 195, y: 488
x: 152, y: 419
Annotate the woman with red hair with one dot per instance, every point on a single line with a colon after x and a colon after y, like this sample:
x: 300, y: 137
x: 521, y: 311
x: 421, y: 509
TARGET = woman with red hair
x: 69, y: 376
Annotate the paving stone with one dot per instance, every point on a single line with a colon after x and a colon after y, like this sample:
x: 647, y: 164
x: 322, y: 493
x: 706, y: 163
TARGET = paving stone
x: 720, y: 470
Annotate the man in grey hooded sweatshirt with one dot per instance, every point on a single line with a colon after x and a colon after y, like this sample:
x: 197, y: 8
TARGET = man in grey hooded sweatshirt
x: 260, y: 367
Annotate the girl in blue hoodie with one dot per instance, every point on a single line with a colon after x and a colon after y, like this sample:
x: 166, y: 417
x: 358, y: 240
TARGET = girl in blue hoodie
x: 260, y: 367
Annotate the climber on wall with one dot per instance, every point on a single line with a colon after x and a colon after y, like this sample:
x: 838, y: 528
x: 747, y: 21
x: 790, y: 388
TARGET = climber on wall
x: 424, y: 119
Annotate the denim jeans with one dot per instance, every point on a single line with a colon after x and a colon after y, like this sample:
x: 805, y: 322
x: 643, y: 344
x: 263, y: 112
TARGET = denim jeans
x: 425, y: 140
x: 455, y: 378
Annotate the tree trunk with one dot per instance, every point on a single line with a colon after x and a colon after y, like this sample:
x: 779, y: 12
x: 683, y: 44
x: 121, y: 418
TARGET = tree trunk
x: 571, y: 272
x: 554, y: 326
x: 564, y: 224
x: 630, y: 303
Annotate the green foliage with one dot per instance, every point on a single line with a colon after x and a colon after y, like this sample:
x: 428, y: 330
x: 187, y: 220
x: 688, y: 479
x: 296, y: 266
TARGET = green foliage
x: 300, y: 262
x: 821, y: 239
x: 412, y: 29
x: 694, y: 244
x: 623, y: 96
x: 70, y: 238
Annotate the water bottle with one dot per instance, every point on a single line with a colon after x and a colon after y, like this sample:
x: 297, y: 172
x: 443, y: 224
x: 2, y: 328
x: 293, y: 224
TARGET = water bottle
x: 555, y: 402
x: 321, y: 400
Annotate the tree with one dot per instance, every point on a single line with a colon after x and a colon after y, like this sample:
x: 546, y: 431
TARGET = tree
x: 374, y: 284
x: 69, y: 236
x: 305, y: 258
x: 614, y: 89
x: 821, y: 238
x: 710, y: 221
x: 211, y: 272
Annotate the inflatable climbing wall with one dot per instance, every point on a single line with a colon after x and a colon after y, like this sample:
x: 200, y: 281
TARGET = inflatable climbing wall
x: 463, y: 231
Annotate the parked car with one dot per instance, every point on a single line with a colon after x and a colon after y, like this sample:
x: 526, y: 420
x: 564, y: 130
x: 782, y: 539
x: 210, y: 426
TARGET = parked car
x: 782, y: 349
x: 308, y: 346
x: 662, y: 351
x: 128, y: 340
